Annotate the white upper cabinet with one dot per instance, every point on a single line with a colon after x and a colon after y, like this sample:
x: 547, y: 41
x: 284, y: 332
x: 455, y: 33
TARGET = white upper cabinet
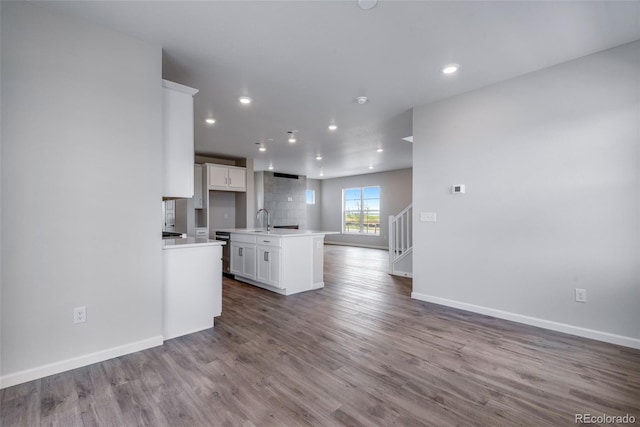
x: 226, y: 178
x: 198, y: 202
x: 177, y: 138
x: 237, y: 179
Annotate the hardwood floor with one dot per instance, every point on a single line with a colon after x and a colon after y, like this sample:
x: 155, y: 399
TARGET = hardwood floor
x: 359, y: 352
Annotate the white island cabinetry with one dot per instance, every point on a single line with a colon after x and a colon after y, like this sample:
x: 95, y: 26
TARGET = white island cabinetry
x: 282, y: 261
x: 268, y: 262
x: 192, y: 285
x: 243, y: 256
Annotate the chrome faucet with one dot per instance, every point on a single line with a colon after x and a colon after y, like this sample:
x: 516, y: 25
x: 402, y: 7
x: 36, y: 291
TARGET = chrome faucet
x: 258, y: 215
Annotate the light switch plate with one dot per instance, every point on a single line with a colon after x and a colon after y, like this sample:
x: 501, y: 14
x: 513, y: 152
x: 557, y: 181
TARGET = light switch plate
x: 427, y: 216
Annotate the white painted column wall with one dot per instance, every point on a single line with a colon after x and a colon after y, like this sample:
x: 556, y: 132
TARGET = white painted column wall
x: 81, y: 192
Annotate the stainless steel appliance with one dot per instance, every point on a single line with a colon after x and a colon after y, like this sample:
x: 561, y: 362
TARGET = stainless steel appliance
x: 173, y: 235
x: 225, y: 236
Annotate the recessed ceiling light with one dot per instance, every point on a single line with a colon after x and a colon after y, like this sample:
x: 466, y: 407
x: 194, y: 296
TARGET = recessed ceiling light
x: 321, y: 173
x: 333, y: 127
x: 318, y: 157
x: 292, y: 136
x: 362, y: 100
x: 270, y: 167
x: 210, y: 120
x: 262, y: 148
x: 245, y: 100
x: 450, y: 68
x: 367, y: 4
x: 380, y: 150
x: 370, y: 166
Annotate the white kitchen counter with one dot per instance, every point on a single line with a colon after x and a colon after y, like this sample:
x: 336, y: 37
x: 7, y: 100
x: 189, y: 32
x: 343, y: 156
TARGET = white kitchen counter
x: 190, y: 242
x: 280, y: 232
x: 283, y: 260
x: 192, y: 285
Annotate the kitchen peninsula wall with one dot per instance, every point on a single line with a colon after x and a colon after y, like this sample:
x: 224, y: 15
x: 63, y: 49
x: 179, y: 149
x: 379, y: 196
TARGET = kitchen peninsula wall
x: 283, y: 197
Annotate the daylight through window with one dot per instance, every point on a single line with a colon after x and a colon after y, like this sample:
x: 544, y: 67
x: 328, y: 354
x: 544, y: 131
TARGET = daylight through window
x: 361, y: 210
x: 311, y: 197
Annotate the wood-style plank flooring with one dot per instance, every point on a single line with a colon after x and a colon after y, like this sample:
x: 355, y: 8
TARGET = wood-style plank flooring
x: 359, y: 352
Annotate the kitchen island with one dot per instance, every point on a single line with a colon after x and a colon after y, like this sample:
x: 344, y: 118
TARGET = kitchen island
x: 281, y: 260
x: 192, y: 285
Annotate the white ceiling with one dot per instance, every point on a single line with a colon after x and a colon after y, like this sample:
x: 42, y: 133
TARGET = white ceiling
x: 305, y: 62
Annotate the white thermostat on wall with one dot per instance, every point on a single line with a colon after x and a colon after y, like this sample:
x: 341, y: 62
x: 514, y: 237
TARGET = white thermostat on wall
x: 457, y: 189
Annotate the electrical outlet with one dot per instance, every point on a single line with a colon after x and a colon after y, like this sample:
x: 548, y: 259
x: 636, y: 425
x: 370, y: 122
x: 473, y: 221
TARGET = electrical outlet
x: 80, y: 314
x: 581, y: 295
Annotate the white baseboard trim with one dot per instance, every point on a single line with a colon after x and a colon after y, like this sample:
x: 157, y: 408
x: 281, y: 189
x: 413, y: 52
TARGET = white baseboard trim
x: 401, y: 274
x: 533, y: 321
x: 357, y: 245
x: 77, y: 362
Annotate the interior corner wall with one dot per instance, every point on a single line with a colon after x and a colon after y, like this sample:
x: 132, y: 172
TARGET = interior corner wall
x: 551, y: 164
x: 395, y: 195
x: 314, y: 218
x: 81, y: 192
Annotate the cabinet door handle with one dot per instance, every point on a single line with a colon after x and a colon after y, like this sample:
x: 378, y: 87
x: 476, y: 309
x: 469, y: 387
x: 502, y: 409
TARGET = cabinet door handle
x: 266, y: 256
x: 240, y: 251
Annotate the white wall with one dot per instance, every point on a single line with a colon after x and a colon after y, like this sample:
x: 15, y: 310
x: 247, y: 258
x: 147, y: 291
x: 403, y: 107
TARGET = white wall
x: 314, y: 220
x: 222, y: 210
x: 551, y: 165
x: 395, y: 195
x: 1, y: 119
x: 81, y: 192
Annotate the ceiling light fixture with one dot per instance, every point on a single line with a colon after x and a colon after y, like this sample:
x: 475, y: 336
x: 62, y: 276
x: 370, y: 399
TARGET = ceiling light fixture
x: 370, y: 166
x: 318, y: 157
x: 270, y: 167
x: 292, y: 136
x: 450, y: 68
x: 380, y: 150
x: 362, y: 100
x: 262, y: 148
x: 210, y: 120
x: 245, y: 100
x: 333, y: 127
x: 321, y: 173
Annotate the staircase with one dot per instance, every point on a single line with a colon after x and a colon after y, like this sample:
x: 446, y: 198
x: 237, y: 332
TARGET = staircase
x: 401, y: 243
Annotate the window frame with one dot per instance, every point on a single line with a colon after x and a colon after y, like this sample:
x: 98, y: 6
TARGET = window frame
x: 361, y: 212
x: 313, y: 196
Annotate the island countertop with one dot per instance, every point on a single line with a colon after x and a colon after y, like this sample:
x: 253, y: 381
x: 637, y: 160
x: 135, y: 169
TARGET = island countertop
x: 190, y: 242
x: 281, y: 232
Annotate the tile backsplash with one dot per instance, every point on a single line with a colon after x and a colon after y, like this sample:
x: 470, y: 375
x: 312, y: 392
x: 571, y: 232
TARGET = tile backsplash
x: 285, y: 199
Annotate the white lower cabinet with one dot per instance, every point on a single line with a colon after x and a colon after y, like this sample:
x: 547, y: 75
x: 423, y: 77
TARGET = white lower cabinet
x: 285, y: 265
x: 192, y: 288
x: 202, y: 232
x: 269, y: 265
x: 243, y: 259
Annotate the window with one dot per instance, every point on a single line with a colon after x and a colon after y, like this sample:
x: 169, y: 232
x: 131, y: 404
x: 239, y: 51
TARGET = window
x: 311, y: 197
x: 361, y: 210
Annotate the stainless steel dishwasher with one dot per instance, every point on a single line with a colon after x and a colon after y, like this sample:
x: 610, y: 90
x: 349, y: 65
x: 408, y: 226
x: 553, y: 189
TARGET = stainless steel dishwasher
x: 225, y: 236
